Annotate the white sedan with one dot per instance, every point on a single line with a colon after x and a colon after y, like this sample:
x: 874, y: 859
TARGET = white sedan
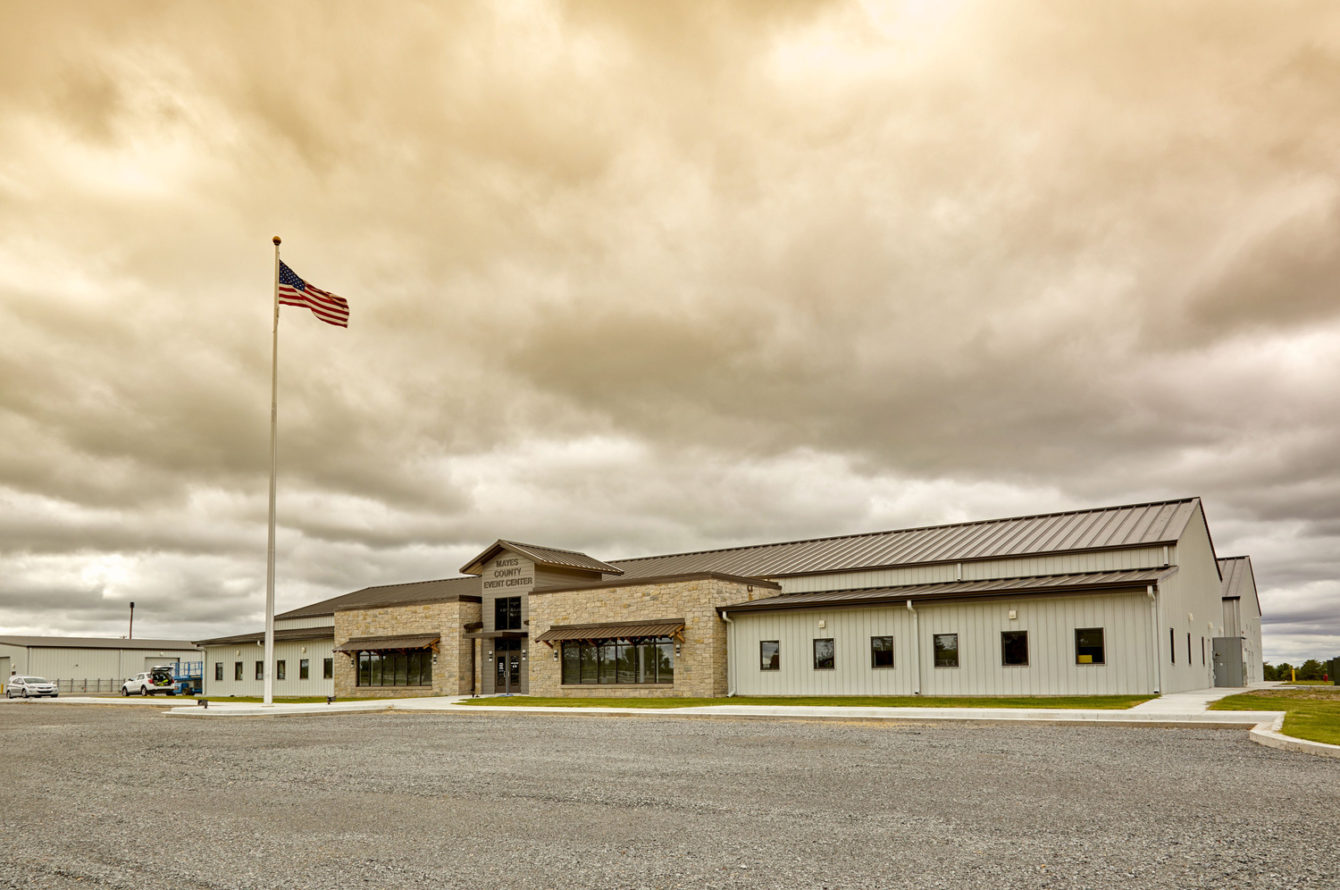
x: 30, y: 687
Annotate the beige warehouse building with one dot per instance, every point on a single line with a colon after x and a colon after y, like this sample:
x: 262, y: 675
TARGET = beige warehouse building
x: 1117, y: 600
x: 91, y: 664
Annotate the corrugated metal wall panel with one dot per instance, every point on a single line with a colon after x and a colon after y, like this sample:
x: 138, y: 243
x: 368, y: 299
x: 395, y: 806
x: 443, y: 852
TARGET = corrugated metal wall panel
x: 1050, y: 622
x: 314, y: 621
x: 290, y: 652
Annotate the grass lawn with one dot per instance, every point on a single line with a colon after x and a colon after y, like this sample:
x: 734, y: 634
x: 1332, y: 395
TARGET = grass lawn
x: 1103, y: 702
x: 1312, y: 713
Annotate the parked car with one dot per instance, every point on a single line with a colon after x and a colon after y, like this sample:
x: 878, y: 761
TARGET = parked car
x: 159, y: 679
x: 30, y: 687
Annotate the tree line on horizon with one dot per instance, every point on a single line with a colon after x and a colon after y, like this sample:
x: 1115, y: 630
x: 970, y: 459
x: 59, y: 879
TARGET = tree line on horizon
x: 1308, y: 670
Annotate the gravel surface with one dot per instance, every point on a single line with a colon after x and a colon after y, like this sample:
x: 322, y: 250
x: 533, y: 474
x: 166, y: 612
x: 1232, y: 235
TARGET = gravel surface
x: 123, y: 797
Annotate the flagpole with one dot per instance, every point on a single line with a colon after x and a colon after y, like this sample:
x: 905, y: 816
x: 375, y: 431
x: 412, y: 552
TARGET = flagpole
x: 268, y: 666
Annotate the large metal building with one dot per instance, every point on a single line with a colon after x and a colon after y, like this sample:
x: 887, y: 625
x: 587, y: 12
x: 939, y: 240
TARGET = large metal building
x: 89, y: 664
x: 1115, y: 600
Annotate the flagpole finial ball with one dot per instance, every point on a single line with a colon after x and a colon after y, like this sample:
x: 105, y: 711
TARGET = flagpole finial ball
x: 275, y: 239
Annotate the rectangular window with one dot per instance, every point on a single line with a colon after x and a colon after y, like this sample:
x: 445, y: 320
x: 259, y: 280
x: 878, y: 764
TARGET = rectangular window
x: 621, y: 662
x: 769, y: 655
x: 1172, y: 646
x: 281, y: 669
x: 237, y: 670
x: 328, y: 669
x: 507, y: 613
x: 1202, y: 652
x: 218, y: 670
x: 825, y: 655
x: 411, y: 668
x: 1014, y: 647
x: 881, y: 652
x: 260, y: 670
x: 946, y: 650
x: 1089, y: 645
x: 304, y: 669
x: 1188, y: 648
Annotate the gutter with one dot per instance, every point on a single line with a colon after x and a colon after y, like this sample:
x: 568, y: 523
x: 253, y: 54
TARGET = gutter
x: 730, y: 655
x: 916, y: 649
x: 1151, y: 591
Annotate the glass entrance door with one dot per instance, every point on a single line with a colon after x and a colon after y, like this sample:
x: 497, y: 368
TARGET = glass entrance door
x: 507, y: 665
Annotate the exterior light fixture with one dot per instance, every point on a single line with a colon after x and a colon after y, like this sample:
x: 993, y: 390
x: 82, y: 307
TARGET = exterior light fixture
x: 555, y: 653
x: 677, y: 648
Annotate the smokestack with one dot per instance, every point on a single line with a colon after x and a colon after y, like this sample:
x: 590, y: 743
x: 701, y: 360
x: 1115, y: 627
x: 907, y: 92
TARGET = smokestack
x: 131, y: 635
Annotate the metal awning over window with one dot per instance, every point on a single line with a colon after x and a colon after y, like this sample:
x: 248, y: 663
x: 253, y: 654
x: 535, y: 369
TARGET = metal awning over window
x: 384, y: 644
x: 618, y: 630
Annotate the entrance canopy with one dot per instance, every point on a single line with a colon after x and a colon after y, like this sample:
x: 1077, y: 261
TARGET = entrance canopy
x: 383, y: 644
x: 617, y: 630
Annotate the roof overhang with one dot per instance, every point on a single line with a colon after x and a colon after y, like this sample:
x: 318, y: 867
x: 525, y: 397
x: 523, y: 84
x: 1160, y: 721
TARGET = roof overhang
x: 1042, y: 585
x: 615, y: 630
x: 393, y: 643
x: 286, y: 635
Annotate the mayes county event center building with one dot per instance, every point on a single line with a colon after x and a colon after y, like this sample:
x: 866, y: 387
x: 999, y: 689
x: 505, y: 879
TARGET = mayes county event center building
x: 1117, y: 600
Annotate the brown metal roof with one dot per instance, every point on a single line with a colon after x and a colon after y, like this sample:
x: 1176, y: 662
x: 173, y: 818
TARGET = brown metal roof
x: 441, y: 591
x: 92, y: 643
x: 542, y: 556
x: 1081, y: 582
x: 400, y: 641
x: 288, y: 634
x: 617, y: 630
x: 1239, y: 579
x: 1078, y: 530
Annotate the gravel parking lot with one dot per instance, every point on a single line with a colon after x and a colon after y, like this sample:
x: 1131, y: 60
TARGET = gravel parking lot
x: 122, y: 797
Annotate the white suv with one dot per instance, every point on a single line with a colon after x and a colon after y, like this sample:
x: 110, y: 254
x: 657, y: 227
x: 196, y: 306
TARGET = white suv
x: 159, y: 679
x: 29, y: 687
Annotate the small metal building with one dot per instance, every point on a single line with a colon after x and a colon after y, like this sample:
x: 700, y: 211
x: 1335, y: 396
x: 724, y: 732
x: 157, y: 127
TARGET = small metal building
x: 89, y: 664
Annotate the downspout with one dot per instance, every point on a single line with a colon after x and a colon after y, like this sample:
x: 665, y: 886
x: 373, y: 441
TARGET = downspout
x: 916, y: 649
x: 730, y: 655
x: 1150, y: 591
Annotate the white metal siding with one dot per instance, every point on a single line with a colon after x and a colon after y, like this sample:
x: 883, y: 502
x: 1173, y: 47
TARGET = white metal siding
x: 1050, y: 621
x: 1190, y: 602
x: 89, y: 666
x: 314, y: 621
x: 1068, y: 563
x: 289, y: 651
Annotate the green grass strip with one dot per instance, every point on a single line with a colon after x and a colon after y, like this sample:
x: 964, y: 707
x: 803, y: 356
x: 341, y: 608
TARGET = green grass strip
x: 1091, y: 702
x: 1312, y: 713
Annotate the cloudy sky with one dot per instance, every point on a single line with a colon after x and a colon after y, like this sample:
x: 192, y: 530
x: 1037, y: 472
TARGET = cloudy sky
x: 637, y: 278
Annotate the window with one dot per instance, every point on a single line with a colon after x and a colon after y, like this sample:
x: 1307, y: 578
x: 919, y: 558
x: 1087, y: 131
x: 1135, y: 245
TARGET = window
x: 1014, y: 647
x: 327, y: 668
x: 632, y: 662
x: 824, y: 655
x: 881, y: 652
x: 260, y: 670
x: 405, y: 668
x: 1172, y: 646
x: 218, y: 670
x: 281, y: 669
x: 507, y: 613
x: 946, y: 650
x: 769, y: 655
x: 304, y: 671
x: 1188, y: 647
x: 237, y: 670
x: 1202, y: 652
x: 1089, y: 645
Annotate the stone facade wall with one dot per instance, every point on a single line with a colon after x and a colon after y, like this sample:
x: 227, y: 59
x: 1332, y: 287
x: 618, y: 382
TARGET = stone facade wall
x: 700, y: 667
x: 451, y: 672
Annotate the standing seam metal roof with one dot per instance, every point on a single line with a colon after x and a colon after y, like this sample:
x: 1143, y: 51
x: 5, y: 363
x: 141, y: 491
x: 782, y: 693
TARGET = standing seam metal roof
x: 1105, y: 528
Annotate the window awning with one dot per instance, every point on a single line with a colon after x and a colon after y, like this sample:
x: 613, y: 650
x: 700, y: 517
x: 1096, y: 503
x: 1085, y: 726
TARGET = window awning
x: 618, y: 630
x: 378, y: 644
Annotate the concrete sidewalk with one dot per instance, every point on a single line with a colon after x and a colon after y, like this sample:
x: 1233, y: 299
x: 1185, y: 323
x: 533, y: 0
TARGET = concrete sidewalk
x: 1177, y: 709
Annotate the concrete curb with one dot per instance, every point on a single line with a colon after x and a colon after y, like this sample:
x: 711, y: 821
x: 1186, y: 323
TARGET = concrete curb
x: 1269, y: 734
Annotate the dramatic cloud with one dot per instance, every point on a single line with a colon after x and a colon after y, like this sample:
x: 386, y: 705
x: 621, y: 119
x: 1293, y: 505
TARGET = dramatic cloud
x: 633, y: 278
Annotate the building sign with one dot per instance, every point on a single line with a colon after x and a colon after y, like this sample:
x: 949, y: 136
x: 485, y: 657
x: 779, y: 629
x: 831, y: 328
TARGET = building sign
x: 509, y: 574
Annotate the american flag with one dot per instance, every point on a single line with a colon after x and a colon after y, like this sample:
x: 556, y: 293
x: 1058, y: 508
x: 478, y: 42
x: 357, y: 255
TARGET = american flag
x: 293, y: 291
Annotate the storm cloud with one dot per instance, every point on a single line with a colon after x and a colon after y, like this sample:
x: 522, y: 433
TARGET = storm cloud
x: 637, y: 278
